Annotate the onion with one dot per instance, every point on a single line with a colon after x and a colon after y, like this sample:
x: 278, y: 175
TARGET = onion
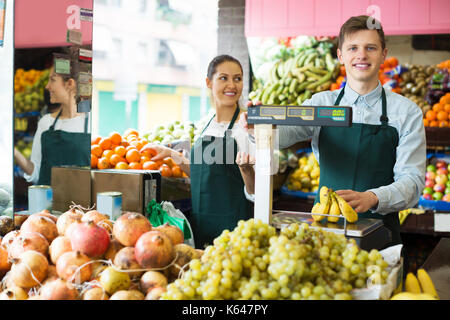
x: 42, y: 225
x: 28, y: 241
x: 66, y: 219
x: 184, y: 253
x: 29, y: 269
x: 155, y: 293
x: 68, y: 263
x: 14, y: 293
x: 152, y: 279
x: 127, y: 295
x: 89, y: 239
x: 59, y: 246
x: 126, y: 260
x: 173, y: 232
x: 9, y: 238
x: 5, y: 264
x: 129, y: 227
x: 95, y: 294
x: 45, y: 213
x: 95, y: 216
x: 154, y: 250
x: 114, y: 247
x: 58, y: 290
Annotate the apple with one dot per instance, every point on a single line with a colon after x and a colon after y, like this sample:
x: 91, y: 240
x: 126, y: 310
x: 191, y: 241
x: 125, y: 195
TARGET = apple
x: 448, y: 167
x: 427, y: 191
x: 431, y: 167
x: 447, y: 190
x: 446, y: 197
x: 441, y: 179
x: 441, y: 164
x: 442, y: 171
x: 430, y: 175
x: 438, y: 196
x: 429, y: 183
x: 448, y: 183
x: 438, y: 187
x: 427, y: 196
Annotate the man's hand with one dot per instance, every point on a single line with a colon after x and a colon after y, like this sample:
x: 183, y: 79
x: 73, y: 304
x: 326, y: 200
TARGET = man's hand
x: 359, y: 201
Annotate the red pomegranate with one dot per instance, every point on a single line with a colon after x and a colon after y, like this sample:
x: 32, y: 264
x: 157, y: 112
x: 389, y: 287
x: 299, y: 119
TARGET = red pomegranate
x: 66, y: 219
x: 129, y: 227
x: 95, y: 216
x: 173, y: 232
x: 42, y: 225
x: 58, y: 289
x: 89, y: 238
x: 154, y: 250
x: 45, y: 213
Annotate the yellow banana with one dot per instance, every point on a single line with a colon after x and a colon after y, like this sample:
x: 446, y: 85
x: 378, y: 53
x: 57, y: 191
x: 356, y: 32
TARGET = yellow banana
x: 412, y: 284
x: 323, y: 193
x: 412, y: 296
x: 316, y: 209
x: 322, y: 208
x: 334, y: 209
x: 426, y: 283
x: 346, y: 210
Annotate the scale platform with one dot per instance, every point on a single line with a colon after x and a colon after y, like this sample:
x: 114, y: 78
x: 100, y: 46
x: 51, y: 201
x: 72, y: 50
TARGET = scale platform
x: 331, y: 116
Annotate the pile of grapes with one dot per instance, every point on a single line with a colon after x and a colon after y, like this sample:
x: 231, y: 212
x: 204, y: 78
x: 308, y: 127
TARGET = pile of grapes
x: 253, y: 262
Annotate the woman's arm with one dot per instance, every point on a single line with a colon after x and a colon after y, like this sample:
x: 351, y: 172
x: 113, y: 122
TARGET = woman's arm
x: 24, y: 163
x: 164, y: 152
x: 245, y: 163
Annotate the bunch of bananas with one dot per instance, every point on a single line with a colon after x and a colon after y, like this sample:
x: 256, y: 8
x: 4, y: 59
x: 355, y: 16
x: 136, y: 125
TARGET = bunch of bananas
x: 332, y: 204
x: 402, y: 215
x: 20, y: 124
x: 295, y: 79
x: 306, y: 177
x: 418, y: 288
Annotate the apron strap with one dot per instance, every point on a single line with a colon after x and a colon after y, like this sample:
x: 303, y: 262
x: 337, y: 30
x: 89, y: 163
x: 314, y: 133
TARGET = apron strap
x: 86, y: 120
x: 339, y: 98
x: 52, y: 127
x: 233, y: 120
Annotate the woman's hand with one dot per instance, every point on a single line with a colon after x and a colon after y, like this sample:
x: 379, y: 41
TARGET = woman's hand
x: 244, y: 116
x: 161, y: 151
x: 359, y: 201
x: 245, y: 163
x: 244, y: 160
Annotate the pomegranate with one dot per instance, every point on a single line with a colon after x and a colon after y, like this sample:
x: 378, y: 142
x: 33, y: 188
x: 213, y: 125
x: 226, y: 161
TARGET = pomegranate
x: 45, y: 213
x: 28, y: 241
x: 90, y: 239
x: 155, y: 293
x: 97, y: 268
x: 154, y: 250
x: 114, y: 247
x: 14, y: 293
x: 59, y: 246
x: 107, y: 225
x: 29, y: 269
x: 126, y: 260
x: 66, y: 219
x: 184, y: 254
x: 95, y: 294
x: 58, y: 289
x: 70, y: 227
x: 127, y: 295
x: 5, y: 264
x: 68, y: 267
x: 152, y: 279
x: 95, y: 216
x: 173, y: 232
x: 112, y: 280
x: 129, y: 227
x: 42, y: 225
x: 52, y: 274
x: 9, y: 238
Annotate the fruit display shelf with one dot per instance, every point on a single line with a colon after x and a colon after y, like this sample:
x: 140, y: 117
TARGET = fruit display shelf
x: 437, y: 137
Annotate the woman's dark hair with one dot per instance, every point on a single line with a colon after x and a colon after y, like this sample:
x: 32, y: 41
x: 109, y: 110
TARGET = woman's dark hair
x: 212, y: 67
x: 358, y: 23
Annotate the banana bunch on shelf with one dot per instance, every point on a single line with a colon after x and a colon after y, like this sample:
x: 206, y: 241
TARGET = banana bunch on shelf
x: 402, y: 215
x: 418, y: 288
x: 292, y: 81
x: 332, y: 204
x: 20, y: 124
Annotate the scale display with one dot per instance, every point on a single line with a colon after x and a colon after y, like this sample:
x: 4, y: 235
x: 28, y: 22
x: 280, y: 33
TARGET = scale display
x: 332, y: 116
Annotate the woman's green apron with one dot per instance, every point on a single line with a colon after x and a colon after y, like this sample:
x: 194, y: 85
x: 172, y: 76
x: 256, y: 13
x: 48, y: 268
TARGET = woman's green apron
x: 359, y: 158
x: 217, y: 187
x: 62, y: 148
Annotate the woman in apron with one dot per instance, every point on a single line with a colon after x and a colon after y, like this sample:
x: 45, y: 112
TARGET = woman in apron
x: 62, y: 137
x: 217, y: 188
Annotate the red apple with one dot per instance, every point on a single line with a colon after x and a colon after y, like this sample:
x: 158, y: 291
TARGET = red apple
x: 429, y: 183
x: 442, y: 171
x: 441, y: 164
x: 441, y: 179
x: 430, y: 175
x: 438, y: 187
x: 427, y: 196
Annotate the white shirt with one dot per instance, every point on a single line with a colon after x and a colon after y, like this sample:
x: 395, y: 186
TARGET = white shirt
x: 70, y: 125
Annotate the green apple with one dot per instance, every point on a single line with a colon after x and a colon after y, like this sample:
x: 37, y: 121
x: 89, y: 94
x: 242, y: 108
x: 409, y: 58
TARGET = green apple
x: 431, y: 167
x: 438, y: 196
x: 447, y: 190
x: 428, y: 190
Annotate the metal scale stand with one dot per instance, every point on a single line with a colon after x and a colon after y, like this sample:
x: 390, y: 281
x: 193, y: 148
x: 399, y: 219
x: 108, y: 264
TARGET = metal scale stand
x: 368, y: 233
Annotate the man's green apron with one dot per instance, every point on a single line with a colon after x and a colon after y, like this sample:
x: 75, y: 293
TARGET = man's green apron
x: 359, y: 158
x: 217, y: 187
x: 62, y: 148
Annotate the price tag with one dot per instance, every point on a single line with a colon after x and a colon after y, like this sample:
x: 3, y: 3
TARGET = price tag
x: 74, y: 36
x: 62, y: 66
x: 85, y: 84
x: 442, y: 222
x: 86, y: 14
x: 85, y: 54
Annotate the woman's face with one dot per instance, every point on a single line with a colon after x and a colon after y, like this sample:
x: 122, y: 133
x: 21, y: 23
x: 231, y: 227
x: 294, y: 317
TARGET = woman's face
x: 58, y: 88
x: 226, y: 84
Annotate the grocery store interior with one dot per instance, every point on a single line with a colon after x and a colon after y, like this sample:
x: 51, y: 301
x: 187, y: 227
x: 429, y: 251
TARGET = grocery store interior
x: 141, y: 81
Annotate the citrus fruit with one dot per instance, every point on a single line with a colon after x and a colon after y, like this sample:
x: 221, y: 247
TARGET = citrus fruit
x: 135, y: 165
x: 115, y: 159
x: 122, y: 165
x: 150, y: 165
x: 149, y: 152
x: 133, y: 155
x: 105, y: 143
x: 96, y: 150
x: 94, y: 161
x: 177, y: 172
x: 115, y: 137
x: 103, y: 163
x: 120, y: 150
x: 165, y: 170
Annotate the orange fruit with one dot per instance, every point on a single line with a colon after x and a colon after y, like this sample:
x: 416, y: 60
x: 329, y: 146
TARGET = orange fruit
x: 122, y: 165
x: 165, y: 170
x: 443, y: 124
x: 445, y: 99
x: 426, y: 123
x: 159, y: 163
x: 434, y: 123
x: 113, y: 146
x: 136, y: 143
x: 96, y: 150
x: 105, y: 143
x: 442, y: 116
x: 150, y: 165
x: 144, y: 142
x: 107, y: 154
x: 103, y: 163
x: 133, y: 155
x: 94, y: 161
x: 120, y: 150
x: 438, y: 107
x: 144, y: 159
x: 131, y: 132
x: 115, y: 137
x: 177, y: 172
x: 115, y: 159
x: 130, y: 148
x: 135, y: 165
x: 185, y: 175
x: 430, y: 115
x: 447, y: 107
x: 169, y: 161
x: 95, y: 140
x: 149, y: 152
x: 124, y: 143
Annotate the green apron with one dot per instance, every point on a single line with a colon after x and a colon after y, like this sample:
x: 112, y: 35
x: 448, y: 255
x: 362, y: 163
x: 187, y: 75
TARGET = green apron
x: 63, y: 148
x: 359, y: 158
x: 217, y: 189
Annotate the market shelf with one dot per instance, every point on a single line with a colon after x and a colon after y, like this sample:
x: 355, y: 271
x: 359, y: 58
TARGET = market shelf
x: 437, y: 137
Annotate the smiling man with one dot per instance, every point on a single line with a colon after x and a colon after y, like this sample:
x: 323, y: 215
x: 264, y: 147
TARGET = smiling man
x: 378, y: 164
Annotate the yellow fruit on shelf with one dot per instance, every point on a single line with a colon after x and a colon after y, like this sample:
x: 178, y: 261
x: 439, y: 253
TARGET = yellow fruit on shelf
x: 412, y: 284
x: 346, y: 210
x: 426, y: 284
x: 413, y: 296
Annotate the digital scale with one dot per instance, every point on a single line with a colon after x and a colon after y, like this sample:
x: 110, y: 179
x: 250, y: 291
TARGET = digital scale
x: 368, y: 233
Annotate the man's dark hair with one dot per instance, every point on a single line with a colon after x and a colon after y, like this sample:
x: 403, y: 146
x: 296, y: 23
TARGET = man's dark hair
x: 358, y: 23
